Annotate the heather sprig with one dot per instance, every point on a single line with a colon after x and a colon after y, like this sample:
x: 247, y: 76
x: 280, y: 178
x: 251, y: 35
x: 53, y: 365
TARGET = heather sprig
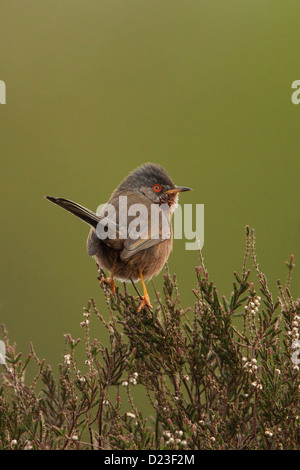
x: 221, y: 374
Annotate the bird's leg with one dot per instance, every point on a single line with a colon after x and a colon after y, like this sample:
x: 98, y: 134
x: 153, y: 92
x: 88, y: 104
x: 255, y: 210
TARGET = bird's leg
x: 110, y: 280
x: 145, y: 298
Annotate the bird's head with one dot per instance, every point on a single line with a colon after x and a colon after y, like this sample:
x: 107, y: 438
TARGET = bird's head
x: 154, y: 182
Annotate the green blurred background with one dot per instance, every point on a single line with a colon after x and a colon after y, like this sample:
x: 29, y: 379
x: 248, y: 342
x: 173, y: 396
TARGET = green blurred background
x: 96, y: 88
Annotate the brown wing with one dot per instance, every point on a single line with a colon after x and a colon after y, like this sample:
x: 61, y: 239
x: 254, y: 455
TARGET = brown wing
x: 151, y: 232
x: 142, y: 233
x: 113, y: 240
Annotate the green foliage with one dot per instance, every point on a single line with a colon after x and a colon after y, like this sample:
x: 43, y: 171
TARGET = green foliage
x: 218, y: 376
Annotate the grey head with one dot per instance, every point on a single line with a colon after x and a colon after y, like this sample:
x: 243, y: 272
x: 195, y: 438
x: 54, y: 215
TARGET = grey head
x: 153, y: 181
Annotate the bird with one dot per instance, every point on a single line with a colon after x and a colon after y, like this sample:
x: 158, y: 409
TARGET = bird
x: 134, y: 248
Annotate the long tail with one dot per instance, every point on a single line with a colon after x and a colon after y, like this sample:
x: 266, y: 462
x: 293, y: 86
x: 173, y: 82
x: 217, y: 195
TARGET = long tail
x: 85, y: 214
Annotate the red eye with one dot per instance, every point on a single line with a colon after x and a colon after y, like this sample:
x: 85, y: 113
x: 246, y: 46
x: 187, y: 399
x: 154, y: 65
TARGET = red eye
x: 156, y: 188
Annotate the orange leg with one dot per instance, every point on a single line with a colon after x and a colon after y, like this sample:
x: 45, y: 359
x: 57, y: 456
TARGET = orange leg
x: 110, y: 280
x: 145, y: 298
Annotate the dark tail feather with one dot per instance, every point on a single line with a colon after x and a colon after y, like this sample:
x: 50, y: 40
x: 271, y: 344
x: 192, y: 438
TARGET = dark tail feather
x: 85, y: 214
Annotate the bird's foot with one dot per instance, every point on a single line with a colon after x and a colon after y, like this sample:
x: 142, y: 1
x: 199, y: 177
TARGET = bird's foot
x: 145, y: 302
x: 109, y: 281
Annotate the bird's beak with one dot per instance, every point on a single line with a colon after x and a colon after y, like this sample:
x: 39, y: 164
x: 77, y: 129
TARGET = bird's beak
x: 177, y: 189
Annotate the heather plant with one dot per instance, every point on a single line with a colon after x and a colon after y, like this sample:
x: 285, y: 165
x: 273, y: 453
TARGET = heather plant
x: 221, y: 374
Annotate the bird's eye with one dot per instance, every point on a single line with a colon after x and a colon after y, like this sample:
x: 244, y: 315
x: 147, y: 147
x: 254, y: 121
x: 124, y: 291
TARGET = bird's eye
x: 156, y: 188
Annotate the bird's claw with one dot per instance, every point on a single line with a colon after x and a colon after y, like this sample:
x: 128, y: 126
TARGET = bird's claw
x: 109, y: 281
x: 145, y: 302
